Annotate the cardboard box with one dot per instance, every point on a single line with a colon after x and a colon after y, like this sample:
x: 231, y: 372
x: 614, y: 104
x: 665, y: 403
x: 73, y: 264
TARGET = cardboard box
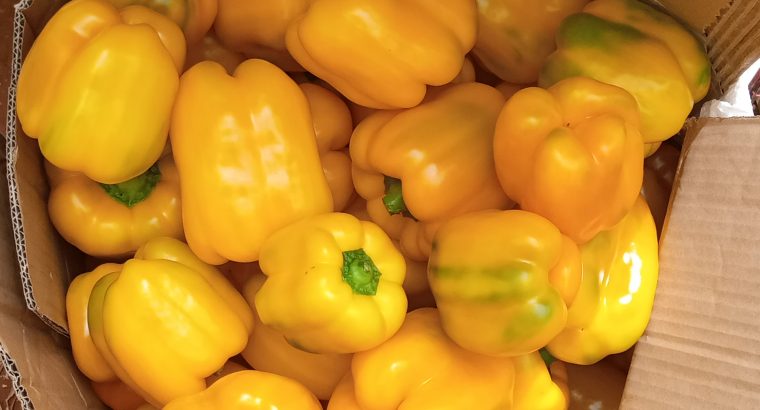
x: 700, y: 351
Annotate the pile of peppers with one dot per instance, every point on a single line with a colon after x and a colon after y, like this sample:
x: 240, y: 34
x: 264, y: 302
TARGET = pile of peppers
x: 358, y: 205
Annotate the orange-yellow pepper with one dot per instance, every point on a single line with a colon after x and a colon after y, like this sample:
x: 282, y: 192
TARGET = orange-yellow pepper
x: 115, y: 220
x: 269, y: 351
x: 189, y: 320
x: 194, y: 16
x: 516, y: 36
x: 614, y: 302
x: 383, y: 53
x: 419, y: 167
x: 332, y: 127
x: 247, y: 158
x: 572, y: 153
x: 257, y: 28
x: 97, y: 88
x: 421, y: 368
x: 503, y: 280
x: 633, y: 46
x: 209, y: 49
x: 250, y: 390
x: 333, y: 284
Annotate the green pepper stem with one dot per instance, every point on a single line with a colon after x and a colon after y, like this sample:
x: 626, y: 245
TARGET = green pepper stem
x: 548, y: 358
x: 360, y: 272
x: 131, y: 192
x: 394, y: 199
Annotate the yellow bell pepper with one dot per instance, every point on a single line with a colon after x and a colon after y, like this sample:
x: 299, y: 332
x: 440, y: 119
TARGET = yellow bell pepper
x: 415, y: 283
x: 194, y: 16
x: 187, y: 317
x: 257, y: 28
x: 614, y: 303
x: 209, y: 49
x: 250, y: 390
x: 332, y: 127
x: 341, y: 293
x: 115, y: 220
x: 572, y: 153
x: 633, y: 46
x: 421, y: 368
x: 383, y: 53
x: 503, y: 280
x: 117, y: 395
x: 516, y: 36
x: 419, y: 167
x: 269, y: 351
x: 247, y: 158
x: 97, y: 88
x: 86, y: 355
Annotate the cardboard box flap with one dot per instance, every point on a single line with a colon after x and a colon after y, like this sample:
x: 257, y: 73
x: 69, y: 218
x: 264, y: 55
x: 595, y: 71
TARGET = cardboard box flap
x: 733, y: 40
x: 701, y: 349
x: 37, y: 360
x: 47, y: 267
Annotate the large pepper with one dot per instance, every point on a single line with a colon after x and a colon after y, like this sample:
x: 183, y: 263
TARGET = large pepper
x: 189, y: 320
x: 502, y: 280
x: 332, y: 127
x: 269, y: 351
x: 333, y: 284
x: 250, y: 390
x: 631, y: 45
x: 115, y: 220
x: 383, y: 53
x: 257, y: 28
x: 419, y: 167
x: 421, y: 368
x: 97, y: 88
x: 247, y: 158
x: 572, y: 153
x: 614, y: 302
x: 516, y: 36
x: 194, y: 16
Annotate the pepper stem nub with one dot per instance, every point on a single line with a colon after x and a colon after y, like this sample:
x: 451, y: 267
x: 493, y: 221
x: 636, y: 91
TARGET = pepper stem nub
x: 393, y: 198
x: 131, y: 192
x: 360, y: 272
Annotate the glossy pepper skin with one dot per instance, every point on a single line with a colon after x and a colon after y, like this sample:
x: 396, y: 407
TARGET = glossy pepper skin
x: 269, y: 351
x: 188, y: 318
x: 502, y: 281
x: 387, y: 57
x: 247, y: 158
x: 86, y: 355
x: 250, y: 390
x: 516, y: 36
x: 629, y: 44
x: 97, y: 87
x: 257, y: 28
x: 419, y: 167
x: 342, y: 294
x: 332, y: 127
x: 115, y: 220
x: 614, y: 302
x: 571, y: 153
x: 421, y: 368
x: 194, y: 16
x: 210, y: 49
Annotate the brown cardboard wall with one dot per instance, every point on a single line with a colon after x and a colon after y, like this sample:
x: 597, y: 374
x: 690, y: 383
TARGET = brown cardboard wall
x: 701, y: 349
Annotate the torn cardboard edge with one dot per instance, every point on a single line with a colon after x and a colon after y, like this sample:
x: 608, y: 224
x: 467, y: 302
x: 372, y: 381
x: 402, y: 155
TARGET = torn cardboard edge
x: 11, y: 149
x: 9, y: 365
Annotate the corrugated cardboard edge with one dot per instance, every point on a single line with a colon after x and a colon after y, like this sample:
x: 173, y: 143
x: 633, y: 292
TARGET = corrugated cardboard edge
x: 732, y: 40
x: 11, y: 150
x: 11, y: 370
